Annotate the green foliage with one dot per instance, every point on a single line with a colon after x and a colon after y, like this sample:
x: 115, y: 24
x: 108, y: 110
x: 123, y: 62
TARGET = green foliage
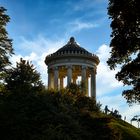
x: 76, y: 88
x: 54, y: 115
x: 5, y: 47
x: 86, y: 103
x: 125, y: 45
x: 73, y: 88
x: 24, y: 78
x: 5, y: 43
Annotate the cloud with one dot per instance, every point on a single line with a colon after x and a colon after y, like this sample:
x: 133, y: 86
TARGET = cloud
x: 105, y: 77
x: 119, y: 103
x: 107, y: 85
x: 79, y: 25
x: 87, y: 4
x: 130, y: 112
x: 35, y: 51
x: 39, y: 45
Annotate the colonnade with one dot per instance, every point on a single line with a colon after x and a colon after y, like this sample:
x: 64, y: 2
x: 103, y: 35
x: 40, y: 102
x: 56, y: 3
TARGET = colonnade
x: 57, y: 74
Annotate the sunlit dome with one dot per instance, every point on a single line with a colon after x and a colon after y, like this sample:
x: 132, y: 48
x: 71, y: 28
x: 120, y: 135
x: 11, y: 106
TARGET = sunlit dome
x: 72, y: 46
x: 72, y: 49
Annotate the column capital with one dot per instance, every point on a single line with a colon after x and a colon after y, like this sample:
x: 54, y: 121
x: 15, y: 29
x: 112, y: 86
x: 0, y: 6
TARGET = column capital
x: 69, y: 66
x: 55, y: 67
x: 84, y: 67
x: 50, y: 70
x: 93, y: 70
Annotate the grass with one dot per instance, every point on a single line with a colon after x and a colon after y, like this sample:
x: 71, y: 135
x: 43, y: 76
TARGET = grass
x: 127, y: 131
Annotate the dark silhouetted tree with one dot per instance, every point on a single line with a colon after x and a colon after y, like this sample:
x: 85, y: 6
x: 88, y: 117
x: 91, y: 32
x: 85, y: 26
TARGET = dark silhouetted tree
x: 24, y: 78
x: 5, y: 46
x: 5, y: 43
x: 125, y: 45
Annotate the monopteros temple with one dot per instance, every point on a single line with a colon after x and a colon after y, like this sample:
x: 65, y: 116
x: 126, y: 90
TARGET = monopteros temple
x: 71, y: 62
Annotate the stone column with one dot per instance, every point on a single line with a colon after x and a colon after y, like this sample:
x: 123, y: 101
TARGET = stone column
x: 56, y: 74
x: 69, y: 75
x: 52, y: 80
x: 93, y: 83
x: 49, y: 79
x: 87, y: 86
x: 61, y: 82
x: 84, y: 79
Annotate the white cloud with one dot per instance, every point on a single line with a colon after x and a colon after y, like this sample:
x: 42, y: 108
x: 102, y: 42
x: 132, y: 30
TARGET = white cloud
x: 119, y: 103
x: 38, y: 62
x: 113, y: 101
x: 36, y: 51
x: 105, y: 77
x: 87, y: 4
x: 40, y: 45
x: 79, y: 25
x: 107, y: 84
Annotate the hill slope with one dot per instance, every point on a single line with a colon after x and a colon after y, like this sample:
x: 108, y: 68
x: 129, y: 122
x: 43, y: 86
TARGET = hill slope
x: 127, y: 131
x: 58, y: 116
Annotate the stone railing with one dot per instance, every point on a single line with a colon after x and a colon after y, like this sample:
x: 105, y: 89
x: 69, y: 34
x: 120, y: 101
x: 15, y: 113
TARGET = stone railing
x: 79, y: 53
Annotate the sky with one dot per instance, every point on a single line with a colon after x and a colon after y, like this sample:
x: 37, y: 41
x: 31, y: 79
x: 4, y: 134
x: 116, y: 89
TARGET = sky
x: 41, y: 27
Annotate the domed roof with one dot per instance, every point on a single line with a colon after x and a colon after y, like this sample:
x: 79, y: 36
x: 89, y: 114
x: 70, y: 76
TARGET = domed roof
x: 71, y: 50
x: 72, y: 46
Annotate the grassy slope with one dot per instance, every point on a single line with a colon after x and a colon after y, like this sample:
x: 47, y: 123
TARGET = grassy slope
x: 56, y: 116
x: 128, y: 132
x: 119, y: 129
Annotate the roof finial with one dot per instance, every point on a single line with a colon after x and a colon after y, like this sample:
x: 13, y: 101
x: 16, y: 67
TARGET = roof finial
x: 72, y: 40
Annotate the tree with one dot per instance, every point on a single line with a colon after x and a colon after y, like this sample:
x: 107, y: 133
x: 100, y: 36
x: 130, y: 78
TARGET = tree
x: 5, y: 43
x: 24, y: 78
x: 125, y: 45
x: 5, y: 46
x: 73, y: 88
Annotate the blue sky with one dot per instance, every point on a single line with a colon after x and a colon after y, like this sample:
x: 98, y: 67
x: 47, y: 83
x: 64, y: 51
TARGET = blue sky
x: 86, y: 20
x: 40, y: 27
